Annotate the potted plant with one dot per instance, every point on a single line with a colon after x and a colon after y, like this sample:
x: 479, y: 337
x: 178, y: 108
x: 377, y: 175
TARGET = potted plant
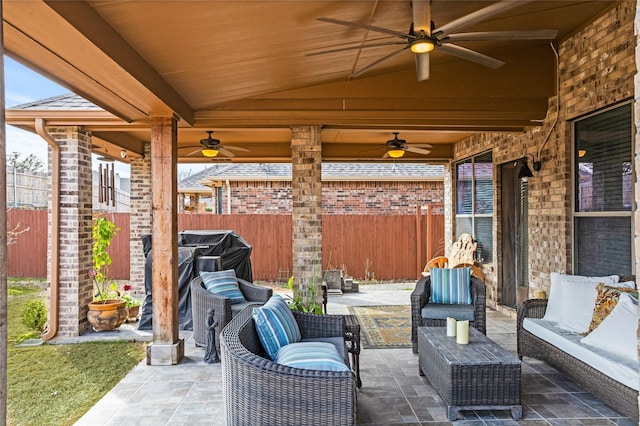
x: 108, y: 310
x: 132, y: 304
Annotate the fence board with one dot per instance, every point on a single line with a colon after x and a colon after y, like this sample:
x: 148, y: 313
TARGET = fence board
x: 366, y: 246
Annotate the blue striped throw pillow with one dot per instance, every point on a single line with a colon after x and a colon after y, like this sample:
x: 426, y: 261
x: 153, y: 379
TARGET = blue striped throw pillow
x: 312, y: 356
x: 451, y: 286
x: 223, y: 283
x: 276, y: 325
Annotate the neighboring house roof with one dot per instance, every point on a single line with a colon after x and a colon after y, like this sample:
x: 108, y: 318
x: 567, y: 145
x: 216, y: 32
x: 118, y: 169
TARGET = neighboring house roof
x: 262, y: 172
x: 66, y: 102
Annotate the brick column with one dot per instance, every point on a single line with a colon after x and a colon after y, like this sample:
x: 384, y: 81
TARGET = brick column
x: 306, y: 181
x: 140, y: 222
x: 76, y: 288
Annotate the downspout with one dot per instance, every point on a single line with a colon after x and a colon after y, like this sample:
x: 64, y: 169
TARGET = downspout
x: 52, y: 328
x: 228, y: 196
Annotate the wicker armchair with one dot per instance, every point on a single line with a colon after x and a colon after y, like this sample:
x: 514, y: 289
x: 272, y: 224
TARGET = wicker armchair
x: 420, y: 298
x: 258, y: 391
x: 202, y: 300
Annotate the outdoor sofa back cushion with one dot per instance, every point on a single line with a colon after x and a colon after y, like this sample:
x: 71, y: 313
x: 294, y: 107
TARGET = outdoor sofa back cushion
x: 276, y: 325
x: 561, y: 304
x: 223, y: 283
x: 451, y: 286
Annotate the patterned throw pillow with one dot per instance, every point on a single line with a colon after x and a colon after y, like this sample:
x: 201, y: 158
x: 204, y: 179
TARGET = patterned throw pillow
x: 276, y: 325
x: 451, y: 286
x: 312, y: 356
x: 223, y: 283
x: 606, y: 300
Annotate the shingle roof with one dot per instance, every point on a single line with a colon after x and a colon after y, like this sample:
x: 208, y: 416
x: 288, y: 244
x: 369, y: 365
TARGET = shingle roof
x: 330, y: 172
x: 66, y: 102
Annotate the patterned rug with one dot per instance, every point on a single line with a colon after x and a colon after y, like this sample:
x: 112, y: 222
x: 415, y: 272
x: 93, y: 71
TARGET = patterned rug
x: 384, y: 326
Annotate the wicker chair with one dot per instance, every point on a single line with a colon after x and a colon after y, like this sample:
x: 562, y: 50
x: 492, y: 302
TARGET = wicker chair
x: 420, y: 298
x: 202, y: 300
x: 258, y: 391
x: 622, y: 398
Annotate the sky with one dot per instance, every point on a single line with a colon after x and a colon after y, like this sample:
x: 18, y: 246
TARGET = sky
x: 22, y: 85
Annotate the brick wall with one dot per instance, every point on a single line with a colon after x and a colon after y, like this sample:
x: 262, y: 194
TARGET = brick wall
x: 346, y: 197
x: 597, y: 68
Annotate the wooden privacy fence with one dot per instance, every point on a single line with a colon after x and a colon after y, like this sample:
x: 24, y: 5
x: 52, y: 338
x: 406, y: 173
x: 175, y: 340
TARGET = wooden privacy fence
x: 364, y: 246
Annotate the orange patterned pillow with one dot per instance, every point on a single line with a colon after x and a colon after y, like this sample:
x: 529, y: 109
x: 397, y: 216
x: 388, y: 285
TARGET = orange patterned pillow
x: 606, y: 300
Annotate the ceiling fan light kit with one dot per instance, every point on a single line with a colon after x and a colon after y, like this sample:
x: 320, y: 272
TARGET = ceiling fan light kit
x: 422, y: 46
x: 396, y: 153
x: 210, y: 153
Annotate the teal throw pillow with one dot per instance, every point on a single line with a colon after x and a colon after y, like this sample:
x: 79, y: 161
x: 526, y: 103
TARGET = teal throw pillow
x: 312, y: 356
x: 276, y: 325
x: 451, y: 286
x: 223, y: 283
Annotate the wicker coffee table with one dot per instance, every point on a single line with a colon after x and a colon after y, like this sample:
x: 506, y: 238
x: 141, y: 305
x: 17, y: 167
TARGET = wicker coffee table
x: 477, y: 376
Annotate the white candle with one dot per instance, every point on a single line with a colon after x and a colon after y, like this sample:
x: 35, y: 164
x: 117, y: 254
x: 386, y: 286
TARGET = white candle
x: 451, y: 327
x: 462, y: 335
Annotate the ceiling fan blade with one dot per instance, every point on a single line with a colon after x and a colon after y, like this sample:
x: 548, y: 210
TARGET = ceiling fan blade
x: 386, y: 155
x: 342, y: 49
x: 471, y: 55
x: 374, y: 64
x: 417, y: 150
x: 477, y: 16
x: 422, y: 16
x: 366, y: 27
x: 502, y: 35
x: 226, y: 152
x: 421, y: 145
x: 422, y: 66
x: 235, y: 148
x: 193, y: 152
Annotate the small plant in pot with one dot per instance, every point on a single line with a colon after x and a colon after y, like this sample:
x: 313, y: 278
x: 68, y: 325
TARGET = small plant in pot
x: 132, y: 304
x: 108, y: 309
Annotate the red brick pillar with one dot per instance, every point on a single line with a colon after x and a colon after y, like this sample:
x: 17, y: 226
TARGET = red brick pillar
x: 306, y: 182
x: 76, y: 288
x: 140, y: 218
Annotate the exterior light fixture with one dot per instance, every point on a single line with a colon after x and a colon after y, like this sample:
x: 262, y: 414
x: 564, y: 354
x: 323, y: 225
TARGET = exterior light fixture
x: 525, y: 172
x: 395, y: 153
x: 422, y: 45
x: 210, y: 152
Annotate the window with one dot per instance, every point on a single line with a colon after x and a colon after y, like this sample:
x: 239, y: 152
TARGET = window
x: 474, y: 202
x: 603, y: 193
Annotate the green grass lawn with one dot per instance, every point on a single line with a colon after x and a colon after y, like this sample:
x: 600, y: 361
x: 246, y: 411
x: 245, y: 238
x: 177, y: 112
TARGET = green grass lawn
x: 57, y: 384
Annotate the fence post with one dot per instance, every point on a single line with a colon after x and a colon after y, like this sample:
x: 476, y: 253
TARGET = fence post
x: 418, y: 239
x: 429, y: 232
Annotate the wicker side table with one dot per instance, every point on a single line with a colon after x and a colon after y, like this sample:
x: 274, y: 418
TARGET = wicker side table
x: 478, y: 376
x: 352, y: 339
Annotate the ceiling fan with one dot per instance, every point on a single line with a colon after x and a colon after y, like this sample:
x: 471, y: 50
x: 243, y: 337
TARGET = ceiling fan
x: 211, y: 147
x: 423, y: 36
x: 397, y: 147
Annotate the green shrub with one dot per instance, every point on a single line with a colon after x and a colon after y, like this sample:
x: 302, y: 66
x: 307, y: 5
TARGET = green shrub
x: 34, y: 315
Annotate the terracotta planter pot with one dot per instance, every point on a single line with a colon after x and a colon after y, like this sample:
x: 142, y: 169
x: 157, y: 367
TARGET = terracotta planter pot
x: 107, y: 315
x: 132, y: 313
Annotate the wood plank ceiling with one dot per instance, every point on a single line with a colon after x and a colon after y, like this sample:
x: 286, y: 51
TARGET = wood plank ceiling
x: 241, y: 68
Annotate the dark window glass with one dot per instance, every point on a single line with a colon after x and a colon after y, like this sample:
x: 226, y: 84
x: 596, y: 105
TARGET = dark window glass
x: 474, y: 202
x: 603, y: 193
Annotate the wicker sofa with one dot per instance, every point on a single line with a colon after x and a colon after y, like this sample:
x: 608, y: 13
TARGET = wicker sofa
x: 258, y: 391
x: 622, y: 398
x: 420, y: 299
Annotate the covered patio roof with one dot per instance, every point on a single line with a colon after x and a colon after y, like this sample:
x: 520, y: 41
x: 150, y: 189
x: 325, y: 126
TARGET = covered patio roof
x: 241, y: 68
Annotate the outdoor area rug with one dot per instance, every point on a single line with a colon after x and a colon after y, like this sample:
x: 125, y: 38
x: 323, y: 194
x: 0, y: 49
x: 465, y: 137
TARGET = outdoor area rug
x: 382, y: 327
